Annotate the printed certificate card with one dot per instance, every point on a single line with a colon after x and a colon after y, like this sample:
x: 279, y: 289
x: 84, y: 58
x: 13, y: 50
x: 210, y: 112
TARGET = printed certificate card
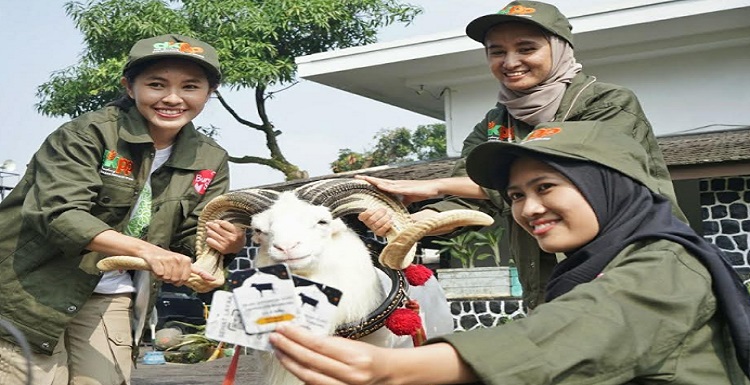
x: 224, y: 323
x: 265, y: 297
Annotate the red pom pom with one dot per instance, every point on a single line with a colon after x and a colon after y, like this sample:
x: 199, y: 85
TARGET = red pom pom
x: 417, y: 275
x: 403, y: 322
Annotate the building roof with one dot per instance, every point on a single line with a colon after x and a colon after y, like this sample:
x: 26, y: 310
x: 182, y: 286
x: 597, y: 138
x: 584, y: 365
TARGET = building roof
x: 692, y: 148
x: 706, y: 147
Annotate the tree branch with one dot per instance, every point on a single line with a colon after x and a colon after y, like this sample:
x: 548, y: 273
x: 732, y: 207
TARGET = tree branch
x: 271, y: 93
x: 260, y: 103
x: 234, y: 113
x: 253, y: 159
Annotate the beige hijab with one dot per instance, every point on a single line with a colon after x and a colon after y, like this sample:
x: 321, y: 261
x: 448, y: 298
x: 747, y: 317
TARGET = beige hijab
x: 539, y: 104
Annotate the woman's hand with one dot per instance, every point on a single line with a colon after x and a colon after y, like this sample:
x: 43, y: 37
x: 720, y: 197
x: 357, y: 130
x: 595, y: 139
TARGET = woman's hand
x: 409, y: 191
x: 330, y: 360
x: 327, y: 360
x: 225, y: 237
x: 169, y: 266
x: 379, y: 220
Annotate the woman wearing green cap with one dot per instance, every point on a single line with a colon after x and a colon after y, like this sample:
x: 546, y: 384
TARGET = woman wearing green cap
x: 529, y: 49
x: 639, y: 297
x: 128, y: 179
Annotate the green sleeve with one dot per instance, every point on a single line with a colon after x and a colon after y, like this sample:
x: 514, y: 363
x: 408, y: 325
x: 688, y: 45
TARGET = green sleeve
x: 67, y: 182
x: 620, y: 326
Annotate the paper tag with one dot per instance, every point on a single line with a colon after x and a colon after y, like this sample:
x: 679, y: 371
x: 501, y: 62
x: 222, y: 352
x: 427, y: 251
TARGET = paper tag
x: 224, y: 323
x: 317, y: 305
x: 265, y: 297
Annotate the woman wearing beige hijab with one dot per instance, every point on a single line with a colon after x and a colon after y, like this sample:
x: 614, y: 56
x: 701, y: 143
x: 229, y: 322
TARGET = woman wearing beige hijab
x: 530, y: 51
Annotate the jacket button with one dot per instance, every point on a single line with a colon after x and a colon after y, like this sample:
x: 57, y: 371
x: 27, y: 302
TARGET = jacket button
x: 106, y: 199
x: 72, y: 309
x: 45, y: 345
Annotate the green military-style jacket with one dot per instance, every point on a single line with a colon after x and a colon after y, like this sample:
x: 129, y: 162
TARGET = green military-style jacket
x: 85, y: 179
x: 585, y: 99
x: 650, y: 318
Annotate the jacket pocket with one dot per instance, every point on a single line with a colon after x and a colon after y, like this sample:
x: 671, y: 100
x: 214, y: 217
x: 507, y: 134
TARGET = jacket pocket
x: 114, y: 201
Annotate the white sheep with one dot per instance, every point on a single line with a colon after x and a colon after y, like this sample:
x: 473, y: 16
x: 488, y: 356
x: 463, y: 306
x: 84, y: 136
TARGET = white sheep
x: 315, y: 245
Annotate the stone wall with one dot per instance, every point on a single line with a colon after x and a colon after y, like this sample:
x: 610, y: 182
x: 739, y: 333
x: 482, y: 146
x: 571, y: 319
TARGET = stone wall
x: 725, y: 206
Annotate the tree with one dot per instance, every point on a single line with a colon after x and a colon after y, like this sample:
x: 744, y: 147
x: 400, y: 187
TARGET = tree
x: 257, y: 41
x: 397, y: 145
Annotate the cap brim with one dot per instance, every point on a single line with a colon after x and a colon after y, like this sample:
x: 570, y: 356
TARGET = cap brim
x: 208, y: 67
x: 488, y: 164
x: 477, y: 28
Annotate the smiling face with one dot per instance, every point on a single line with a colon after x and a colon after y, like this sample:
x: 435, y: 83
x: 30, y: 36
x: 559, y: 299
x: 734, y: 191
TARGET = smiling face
x: 549, y: 207
x: 169, y: 93
x: 519, y: 55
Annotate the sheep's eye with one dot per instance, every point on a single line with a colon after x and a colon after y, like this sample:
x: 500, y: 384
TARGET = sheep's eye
x: 257, y: 231
x: 322, y: 222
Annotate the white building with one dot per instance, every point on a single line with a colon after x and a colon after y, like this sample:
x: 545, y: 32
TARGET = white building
x: 687, y: 60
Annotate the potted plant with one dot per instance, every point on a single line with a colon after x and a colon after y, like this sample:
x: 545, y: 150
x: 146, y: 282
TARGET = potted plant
x: 492, y: 239
x: 469, y: 281
x: 463, y: 247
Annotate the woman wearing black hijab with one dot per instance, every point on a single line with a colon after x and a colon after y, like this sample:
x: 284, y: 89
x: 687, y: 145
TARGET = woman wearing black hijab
x: 638, y: 298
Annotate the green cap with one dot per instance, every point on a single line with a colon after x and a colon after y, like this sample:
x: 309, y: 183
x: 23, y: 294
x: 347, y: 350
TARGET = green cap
x: 489, y: 163
x: 174, y: 46
x: 543, y: 15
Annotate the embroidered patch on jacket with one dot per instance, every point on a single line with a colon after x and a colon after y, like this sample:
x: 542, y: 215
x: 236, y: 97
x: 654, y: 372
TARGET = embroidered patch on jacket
x: 499, y: 132
x: 202, y: 179
x: 116, y: 165
x: 542, y: 134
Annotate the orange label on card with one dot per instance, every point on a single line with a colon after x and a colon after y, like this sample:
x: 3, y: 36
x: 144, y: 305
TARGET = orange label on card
x: 274, y: 319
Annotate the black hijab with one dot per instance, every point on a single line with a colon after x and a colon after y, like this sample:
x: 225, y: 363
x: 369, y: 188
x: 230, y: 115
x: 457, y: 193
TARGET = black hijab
x: 629, y: 212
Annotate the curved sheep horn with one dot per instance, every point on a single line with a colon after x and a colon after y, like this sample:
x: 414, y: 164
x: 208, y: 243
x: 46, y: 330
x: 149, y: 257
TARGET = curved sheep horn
x: 237, y: 207
x: 393, y: 253
x: 353, y: 196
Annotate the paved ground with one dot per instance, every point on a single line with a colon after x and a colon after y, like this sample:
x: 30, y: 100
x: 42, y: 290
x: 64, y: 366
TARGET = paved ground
x: 204, y: 373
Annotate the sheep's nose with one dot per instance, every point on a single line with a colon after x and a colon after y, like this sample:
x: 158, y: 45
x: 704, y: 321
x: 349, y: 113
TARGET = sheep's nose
x: 284, y: 248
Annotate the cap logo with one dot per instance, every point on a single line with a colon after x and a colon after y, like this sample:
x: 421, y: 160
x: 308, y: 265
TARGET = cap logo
x: 542, y: 134
x: 517, y: 10
x: 171, y: 46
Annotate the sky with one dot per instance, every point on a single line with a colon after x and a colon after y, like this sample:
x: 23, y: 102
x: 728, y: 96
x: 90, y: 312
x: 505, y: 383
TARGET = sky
x: 316, y: 120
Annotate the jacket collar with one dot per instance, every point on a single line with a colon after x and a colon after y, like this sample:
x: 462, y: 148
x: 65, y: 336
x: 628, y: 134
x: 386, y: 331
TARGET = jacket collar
x: 577, y: 92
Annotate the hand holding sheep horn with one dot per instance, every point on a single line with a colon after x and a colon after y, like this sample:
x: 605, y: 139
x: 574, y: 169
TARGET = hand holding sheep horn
x: 342, y: 196
x: 215, y: 232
